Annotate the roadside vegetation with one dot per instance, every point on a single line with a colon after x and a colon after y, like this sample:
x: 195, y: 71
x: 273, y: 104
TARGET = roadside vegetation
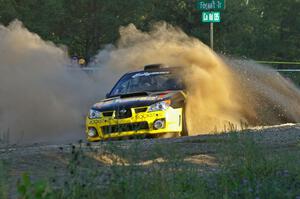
x: 3, y: 179
x: 233, y: 165
x: 260, y: 30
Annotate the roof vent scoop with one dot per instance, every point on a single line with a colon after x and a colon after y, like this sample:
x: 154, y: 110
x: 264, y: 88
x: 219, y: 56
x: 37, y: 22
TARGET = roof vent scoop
x: 153, y: 67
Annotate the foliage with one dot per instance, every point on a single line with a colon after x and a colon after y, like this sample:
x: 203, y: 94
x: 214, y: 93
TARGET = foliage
x: 3, y: 177
x: 27, y: 189
x: 255, y: 29
x: 246, y: 170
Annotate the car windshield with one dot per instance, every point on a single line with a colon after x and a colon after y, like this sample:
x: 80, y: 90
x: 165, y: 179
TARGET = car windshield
x: 147, y: 81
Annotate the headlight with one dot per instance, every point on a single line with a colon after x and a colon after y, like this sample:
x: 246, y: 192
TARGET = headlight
x: 94, y: 114
x: 160, y: 106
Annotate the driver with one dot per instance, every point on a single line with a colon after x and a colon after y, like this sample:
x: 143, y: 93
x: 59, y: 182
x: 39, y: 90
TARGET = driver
x: 145, y: 82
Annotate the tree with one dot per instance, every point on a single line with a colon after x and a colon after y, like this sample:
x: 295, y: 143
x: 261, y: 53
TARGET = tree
x: 257, y: 29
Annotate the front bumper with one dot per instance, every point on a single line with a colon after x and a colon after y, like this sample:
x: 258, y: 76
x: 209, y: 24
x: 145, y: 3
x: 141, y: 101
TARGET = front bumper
x: 139, y: 123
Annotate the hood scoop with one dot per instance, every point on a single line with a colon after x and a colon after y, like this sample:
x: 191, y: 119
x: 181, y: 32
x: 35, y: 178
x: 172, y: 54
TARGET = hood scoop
x: 137, y: 94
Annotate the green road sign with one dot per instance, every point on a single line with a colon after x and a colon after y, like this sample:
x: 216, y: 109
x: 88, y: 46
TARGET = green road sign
x: 211, y: 17
x: 210, y: 4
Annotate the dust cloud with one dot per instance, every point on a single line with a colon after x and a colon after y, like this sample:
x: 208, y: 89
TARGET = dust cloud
x: 223, y: 94
x: 41, y: 99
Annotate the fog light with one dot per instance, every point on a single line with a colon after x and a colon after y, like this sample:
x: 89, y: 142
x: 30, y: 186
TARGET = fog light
x: 92, y: 132
x: 159, y: 124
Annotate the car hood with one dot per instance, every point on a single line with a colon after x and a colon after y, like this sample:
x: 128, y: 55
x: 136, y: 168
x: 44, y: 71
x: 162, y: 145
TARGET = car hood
x: 133, y: 101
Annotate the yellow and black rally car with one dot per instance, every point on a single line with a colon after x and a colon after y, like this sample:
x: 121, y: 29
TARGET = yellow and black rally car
x: 147, y: 102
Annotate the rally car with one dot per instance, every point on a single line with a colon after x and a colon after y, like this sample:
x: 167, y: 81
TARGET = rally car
x: 147, y: 102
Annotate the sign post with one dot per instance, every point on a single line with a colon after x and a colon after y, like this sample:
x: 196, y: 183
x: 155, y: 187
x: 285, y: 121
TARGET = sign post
x: 211, y: 35
x: 209, y: 16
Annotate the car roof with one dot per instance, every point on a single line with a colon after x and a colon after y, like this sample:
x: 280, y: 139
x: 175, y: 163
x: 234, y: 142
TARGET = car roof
x: 171, y: 69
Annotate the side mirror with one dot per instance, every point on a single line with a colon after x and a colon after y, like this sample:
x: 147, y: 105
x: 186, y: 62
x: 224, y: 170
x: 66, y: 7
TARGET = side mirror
x: 107, y: 95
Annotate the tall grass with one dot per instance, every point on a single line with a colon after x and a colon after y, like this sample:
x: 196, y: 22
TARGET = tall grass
x: 3, y: 180
x: 246, y: 169
x: 4, y: 142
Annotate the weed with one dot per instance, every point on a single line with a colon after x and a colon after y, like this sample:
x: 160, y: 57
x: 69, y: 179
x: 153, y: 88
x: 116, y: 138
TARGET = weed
x: 247, y: 169
x: 37, y: 190
x: 3, y: 180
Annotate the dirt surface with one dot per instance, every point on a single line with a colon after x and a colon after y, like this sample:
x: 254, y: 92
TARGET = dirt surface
x: 203, y: 151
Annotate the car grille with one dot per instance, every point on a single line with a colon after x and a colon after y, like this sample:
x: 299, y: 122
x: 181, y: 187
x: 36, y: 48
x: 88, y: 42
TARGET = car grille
x: 123, y: 113
x: 125, y: 127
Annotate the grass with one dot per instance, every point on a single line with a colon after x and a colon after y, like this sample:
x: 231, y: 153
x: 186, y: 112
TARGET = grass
x: 252, y: 171
x: 4, y: 189
x: 244, y: 169
x: 3, y: 182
